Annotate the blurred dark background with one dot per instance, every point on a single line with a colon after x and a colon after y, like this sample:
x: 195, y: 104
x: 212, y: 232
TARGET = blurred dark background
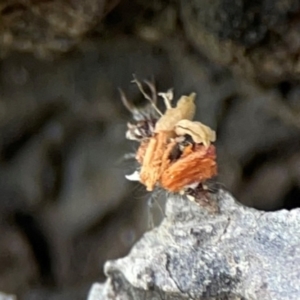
x: 65, y: 207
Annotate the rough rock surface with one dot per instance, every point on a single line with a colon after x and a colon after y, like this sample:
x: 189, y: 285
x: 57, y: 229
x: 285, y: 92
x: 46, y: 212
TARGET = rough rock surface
x: 235, y: 253
x: 259, y: 38
x: 47, y: 26
x: 6, y: 297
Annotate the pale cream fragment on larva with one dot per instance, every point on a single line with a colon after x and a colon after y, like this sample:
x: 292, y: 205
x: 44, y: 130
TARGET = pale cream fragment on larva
x: 135, y: 176
x: 199, y: 132
x: 185, y: 109
x: 168, y: 97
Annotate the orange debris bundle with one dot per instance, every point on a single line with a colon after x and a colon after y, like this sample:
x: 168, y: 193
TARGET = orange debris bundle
x: 175, y: 152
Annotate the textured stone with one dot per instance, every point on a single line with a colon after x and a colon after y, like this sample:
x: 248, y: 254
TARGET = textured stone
x: 258, y: 38
x: 17, y: 264
x: 47, y: 26
x: 236, y: 253
x: 7, y: 297
x: 88, y: 175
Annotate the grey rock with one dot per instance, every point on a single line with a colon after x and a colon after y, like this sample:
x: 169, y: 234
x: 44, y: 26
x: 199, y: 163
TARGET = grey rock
x: 91, y: 187
x: 273, y: 194
x: 45, y: 27
x: 248, y: 137
x: 17, y: 263
x: 96, y: 292
x: 235, y: 253
x: 255, y: 37
x: 6, y: 297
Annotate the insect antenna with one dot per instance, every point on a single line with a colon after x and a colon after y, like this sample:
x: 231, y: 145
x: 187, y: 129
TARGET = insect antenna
x: 153, y: 91
x: 146, y: 96
x: 212, y: 186
x: 136, y: 112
